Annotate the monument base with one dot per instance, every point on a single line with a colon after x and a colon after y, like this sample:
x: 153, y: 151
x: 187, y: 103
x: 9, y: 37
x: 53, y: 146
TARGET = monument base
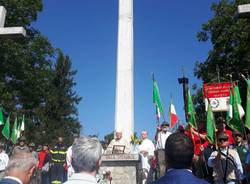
x: 123, y: 168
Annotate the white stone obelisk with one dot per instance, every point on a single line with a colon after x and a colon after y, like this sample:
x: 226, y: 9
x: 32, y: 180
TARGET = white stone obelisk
x: 124, y: 109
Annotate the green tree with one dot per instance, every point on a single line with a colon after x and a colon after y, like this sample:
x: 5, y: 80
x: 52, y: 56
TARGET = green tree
x: 230, y: 53
x: 60, y: 109
x: 28, y: 70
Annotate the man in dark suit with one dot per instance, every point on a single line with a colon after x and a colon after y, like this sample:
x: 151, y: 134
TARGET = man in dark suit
x: 19, y: 169
x: 179, y: 152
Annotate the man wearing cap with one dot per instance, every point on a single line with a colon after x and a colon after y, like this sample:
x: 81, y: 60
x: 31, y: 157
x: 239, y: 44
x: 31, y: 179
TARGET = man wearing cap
x: 240, y: 146
x: 222, y: 129
x: 162, y: 135
x: 4, y: 159
x: 21, y: 147
x: 160, y: 138
x: 225, y: 162
x: 118, y: 141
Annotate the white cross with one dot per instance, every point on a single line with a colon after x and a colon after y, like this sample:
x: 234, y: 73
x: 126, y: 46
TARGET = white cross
x: 244, y: 10
x: 9, y: 31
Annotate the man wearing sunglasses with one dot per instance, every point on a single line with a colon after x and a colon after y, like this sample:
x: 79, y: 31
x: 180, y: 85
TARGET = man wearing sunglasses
x: 226, y: 163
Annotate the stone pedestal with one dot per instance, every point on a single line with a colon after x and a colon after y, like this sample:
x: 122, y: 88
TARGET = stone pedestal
x: 124, y: 168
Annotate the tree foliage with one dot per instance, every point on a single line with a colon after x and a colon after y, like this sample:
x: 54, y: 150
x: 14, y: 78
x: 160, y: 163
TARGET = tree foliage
x: 230, y: 53
x: 36, y: 79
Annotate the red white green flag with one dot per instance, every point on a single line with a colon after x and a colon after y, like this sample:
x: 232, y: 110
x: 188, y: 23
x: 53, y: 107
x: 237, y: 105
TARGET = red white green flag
x: 172, y: 114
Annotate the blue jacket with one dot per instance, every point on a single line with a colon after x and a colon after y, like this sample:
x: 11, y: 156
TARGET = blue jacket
x: 179, y: 176
x: 8, y: 181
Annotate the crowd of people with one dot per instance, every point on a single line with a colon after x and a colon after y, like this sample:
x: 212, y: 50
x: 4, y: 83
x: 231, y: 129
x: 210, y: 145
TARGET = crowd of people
x: 226, y: 161
x: 183, y: 156
x: 27, y: 166
x: 50, y: 164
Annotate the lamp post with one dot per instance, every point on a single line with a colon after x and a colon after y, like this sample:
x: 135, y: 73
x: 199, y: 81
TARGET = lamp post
x: 9, y: 32
x: 184, y: 82
x: 244, y: 11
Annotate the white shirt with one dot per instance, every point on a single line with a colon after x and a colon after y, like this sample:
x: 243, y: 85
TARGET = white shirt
x: 148, y: 146
x: 69, y: 162
x: 4, y: 159
x: 162, y: 137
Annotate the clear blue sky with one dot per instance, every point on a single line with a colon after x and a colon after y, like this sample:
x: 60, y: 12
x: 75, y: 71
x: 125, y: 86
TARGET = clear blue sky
x: 164, y: 41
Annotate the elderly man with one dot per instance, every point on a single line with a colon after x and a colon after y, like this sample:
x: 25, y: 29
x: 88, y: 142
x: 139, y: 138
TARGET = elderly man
x: 20, y: 168
x: 86, y: 160
x: 162, y: 135
x: 118, y: 145
x: 146, y: 150
x: 160, y: 138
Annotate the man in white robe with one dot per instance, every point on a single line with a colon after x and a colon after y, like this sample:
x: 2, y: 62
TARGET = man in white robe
x: 146, y: 150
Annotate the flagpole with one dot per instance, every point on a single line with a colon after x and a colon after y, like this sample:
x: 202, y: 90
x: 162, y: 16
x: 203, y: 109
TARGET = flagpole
x: 163, y: 114
x: 215, y: 137
x: 184, y: 82
x: 169, y: 113
x: 158, y: 118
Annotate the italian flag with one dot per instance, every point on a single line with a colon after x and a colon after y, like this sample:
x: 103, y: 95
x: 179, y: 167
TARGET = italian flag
x: 172, y: 114
x: 158, y: 114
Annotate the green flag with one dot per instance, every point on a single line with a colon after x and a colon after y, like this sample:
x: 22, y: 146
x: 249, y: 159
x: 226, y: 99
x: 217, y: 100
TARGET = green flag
x: 210, y: 124
x: 1, y: 116
x: 14, y: 132
x: 240, y: 109
x: 247, y: 120
x: 157, y: 98
x: 191, y: 112
x: 234, y: 117
x: 6, y: 129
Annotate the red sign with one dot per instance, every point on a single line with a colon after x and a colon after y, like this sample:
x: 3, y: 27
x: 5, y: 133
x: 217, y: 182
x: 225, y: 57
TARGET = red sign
x: 216, y: 90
